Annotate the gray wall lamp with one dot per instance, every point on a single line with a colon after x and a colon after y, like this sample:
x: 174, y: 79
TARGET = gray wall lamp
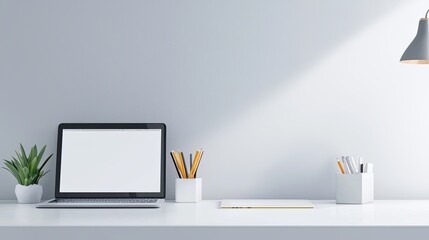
x: 418, y: 51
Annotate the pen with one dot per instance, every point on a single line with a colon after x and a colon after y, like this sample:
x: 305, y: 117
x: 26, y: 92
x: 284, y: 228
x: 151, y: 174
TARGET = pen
x: 354, y: 164
x: 361, y: 164
x: 350, y: 165
x: 345, y: 165
x: 369, y: 168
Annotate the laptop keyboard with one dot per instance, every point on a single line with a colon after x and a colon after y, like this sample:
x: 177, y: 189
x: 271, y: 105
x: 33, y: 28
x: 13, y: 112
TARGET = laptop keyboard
x: 105, y: 200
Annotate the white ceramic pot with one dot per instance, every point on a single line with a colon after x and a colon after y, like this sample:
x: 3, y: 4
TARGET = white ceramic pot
x: 29, y: 194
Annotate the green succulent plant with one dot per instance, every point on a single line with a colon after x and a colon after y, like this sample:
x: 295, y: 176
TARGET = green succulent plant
x: 25, y: 168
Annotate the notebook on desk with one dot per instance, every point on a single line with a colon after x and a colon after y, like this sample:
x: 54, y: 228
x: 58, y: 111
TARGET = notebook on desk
x: 265, y: 203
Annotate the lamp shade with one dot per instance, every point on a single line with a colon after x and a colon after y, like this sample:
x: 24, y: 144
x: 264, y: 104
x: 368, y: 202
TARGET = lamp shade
x: 418, y: 51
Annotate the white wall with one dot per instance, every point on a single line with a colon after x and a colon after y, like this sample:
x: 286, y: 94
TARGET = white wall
x: 273, y: 90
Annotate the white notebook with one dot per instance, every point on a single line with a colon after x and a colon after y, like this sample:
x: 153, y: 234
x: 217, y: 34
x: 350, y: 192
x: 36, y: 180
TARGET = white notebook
x: 266, y: 203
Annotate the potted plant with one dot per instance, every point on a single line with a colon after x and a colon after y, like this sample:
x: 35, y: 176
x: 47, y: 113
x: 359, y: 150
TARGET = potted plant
x: 28, y: 171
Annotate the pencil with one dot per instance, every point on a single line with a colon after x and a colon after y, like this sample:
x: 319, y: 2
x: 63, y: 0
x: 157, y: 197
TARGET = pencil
x: 175, y: 164
x: 199, y: 161
x: 196, y: 163
x: 190, y: 162
x: 184, y: 163
x: 341, y: 166
x: 191, y: 174
x: 201, y: 156
x: 179, y: 164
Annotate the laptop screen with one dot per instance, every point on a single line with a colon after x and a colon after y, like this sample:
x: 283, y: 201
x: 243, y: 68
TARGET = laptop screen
x: 111, y: 161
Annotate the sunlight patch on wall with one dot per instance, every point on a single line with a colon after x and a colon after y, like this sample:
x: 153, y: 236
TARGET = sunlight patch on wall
x: 357, y: 100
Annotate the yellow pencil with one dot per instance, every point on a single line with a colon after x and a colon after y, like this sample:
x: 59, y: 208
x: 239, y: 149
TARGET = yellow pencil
x: 341, y: 166
x: 175, y: 165
x: 182, y: 161
x: 199, y: 160
x: 196, y: 163
x: 179, y: 164
x: 191, y: 174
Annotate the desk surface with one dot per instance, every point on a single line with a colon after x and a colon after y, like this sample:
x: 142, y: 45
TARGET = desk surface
x: 208, y: 214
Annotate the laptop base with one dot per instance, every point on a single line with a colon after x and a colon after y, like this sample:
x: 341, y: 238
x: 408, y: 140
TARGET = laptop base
x: 93, y: 203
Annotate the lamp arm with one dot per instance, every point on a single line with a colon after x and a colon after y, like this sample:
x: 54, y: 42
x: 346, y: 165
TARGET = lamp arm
x: 427, y: 14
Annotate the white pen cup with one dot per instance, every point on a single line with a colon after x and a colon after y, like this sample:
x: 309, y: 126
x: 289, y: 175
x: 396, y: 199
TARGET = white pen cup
x: 355, y: 188
x: 189, y: 190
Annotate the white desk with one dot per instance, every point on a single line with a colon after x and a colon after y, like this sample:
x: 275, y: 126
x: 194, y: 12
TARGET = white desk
x: 205, y: 220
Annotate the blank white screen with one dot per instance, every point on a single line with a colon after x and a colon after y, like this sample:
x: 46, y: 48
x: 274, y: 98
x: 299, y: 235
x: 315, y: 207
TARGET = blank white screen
x: 106, y: 160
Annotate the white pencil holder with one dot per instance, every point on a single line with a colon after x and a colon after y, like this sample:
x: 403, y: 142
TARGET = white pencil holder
x: 355, y: 188
x: 189, y: 190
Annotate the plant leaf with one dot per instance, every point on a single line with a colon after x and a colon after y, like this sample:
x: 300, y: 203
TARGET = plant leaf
x: 10, y: 162
x: 22, y: 151
x: 33, y: 153
x: 33, y: 166
x: 37, y: 160
x: 39, y: 157
x: 41, y: 175
x: 21, y: 159
x: 33, y: 179
x: 25, y: 168
x: 26, y: 171
x: 15, y: 175
x: 14, y: 161
x: 14, y: 172
x: 44, y: 163
x: 20, y: 171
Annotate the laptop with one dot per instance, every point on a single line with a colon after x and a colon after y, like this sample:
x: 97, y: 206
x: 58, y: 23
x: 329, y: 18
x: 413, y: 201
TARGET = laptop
x: 266, y: 203
x: 109, y: 165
